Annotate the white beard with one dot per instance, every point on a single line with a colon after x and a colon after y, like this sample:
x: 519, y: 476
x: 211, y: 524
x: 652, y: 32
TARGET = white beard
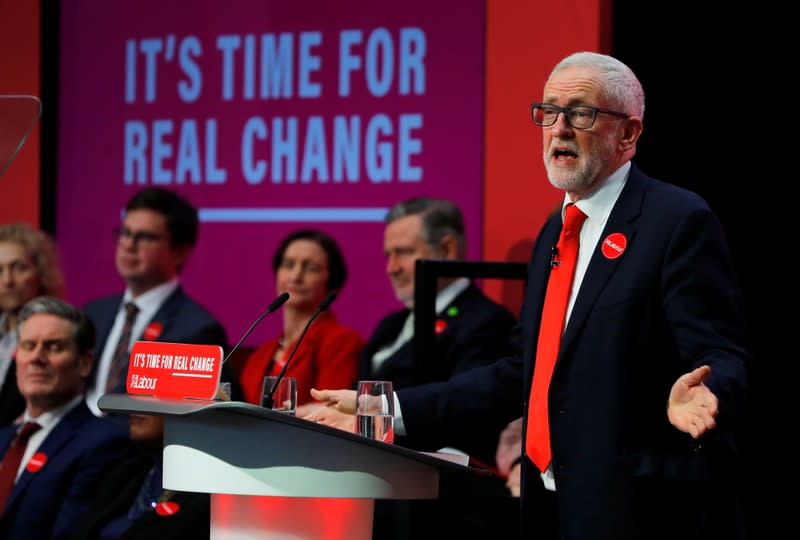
x: 583, y: 174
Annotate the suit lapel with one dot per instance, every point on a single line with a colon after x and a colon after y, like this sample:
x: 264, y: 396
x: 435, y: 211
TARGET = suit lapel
x: 600, y: 270
x: 103, y: 326
x: 61, y: 435
x: 464, y: 304
x: 387, y: 333
x: 403, y: 359
x: 7, y: 434
x: 166, y: 314
x: 538, y: 275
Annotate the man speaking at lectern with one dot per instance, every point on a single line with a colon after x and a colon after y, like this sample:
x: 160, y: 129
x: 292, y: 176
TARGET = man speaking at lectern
x: 632, y: 369
x: 156, y: 238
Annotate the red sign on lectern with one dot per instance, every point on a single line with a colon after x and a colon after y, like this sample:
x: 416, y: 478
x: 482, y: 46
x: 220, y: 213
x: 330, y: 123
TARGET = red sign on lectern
x: 174, y: 369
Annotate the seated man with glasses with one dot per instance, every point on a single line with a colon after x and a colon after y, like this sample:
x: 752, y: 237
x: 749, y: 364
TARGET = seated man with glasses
x: 157, y: 236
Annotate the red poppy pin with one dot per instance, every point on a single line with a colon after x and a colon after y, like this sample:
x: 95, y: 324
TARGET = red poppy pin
x: 152, y: 331
x: 37, y: 462
x: 440, y: 326
x: 167, y: 508
x: 614, y: 245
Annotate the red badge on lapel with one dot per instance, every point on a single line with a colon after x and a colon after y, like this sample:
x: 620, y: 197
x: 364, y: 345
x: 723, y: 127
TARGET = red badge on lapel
x: 440, y: 326
x: 37, y: 462
x: 152, y: 331
x: 614, y: 245
x: 167, y: 508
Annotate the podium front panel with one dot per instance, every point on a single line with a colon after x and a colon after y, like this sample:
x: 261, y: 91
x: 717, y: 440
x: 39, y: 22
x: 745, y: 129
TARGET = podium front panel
x: 238, y: 454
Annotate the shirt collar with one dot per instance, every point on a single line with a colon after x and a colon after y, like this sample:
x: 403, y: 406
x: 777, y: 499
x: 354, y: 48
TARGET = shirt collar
x: 152, y: 299
x: 597, y: 206
x: 50, y: 418
x: 3, y: 318
x: 446, y: 296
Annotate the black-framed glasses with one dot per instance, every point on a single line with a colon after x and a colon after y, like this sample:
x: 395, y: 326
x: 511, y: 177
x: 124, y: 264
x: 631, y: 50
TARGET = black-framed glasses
x: 578, y: 116
x: 121, y: 233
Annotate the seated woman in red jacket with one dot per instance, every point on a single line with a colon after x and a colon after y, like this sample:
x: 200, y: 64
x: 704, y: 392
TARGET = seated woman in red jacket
x: 308, y: 264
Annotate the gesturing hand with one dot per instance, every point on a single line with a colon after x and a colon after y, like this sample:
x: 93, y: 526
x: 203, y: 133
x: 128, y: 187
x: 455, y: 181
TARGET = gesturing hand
x: 692, y: 407
x: 333, y: 418
x: 342, y: 400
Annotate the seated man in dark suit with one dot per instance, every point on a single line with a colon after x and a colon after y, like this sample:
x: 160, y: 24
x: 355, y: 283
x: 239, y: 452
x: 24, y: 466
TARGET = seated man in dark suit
x: 131, y: 502
x: 157, y: 237
x: 469, y: 327
x: 52, y: 461
x: 471, y: 330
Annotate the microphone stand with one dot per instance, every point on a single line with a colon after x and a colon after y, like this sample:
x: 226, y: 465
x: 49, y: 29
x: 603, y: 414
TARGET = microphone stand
x: 268, y: 402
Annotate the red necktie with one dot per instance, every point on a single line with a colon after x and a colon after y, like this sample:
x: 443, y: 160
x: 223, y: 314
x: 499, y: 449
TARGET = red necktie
x: 12, y: 459
x: 120, y: 359
x: 554, y: 313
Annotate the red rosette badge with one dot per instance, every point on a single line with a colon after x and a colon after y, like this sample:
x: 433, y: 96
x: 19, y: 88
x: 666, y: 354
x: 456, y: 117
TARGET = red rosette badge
x: 153, y: 331
x: 440, y: 326
x: 36, y: 463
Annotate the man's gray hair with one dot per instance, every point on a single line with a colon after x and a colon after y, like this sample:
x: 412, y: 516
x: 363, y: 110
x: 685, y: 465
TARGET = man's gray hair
x: 82, y: 327
x: 621, y: 86
x: 440, y: 217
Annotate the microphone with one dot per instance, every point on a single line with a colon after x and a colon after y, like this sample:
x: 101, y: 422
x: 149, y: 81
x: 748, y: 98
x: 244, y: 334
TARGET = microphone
x: 278, y: 302
x: 325, y: 304
x: 554, y: 256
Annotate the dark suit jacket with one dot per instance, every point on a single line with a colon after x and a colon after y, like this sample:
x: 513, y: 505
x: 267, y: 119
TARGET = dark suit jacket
x: 12, y: 404
x: 182, y: 319
x: 46, y: 504
x: 476, y: 331
x: 117, y: 492
x: 667, y: 305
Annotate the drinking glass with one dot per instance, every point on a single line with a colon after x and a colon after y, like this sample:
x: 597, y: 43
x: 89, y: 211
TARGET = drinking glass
x: 225, y: 388
x: 284, y: 399
x: 375, y: 410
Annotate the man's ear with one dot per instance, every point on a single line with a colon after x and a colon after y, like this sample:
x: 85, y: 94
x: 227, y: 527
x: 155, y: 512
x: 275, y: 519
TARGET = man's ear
x: 85, y: 362
x: 449, y: 247
x: 182, y: 254
x: 631, y: 133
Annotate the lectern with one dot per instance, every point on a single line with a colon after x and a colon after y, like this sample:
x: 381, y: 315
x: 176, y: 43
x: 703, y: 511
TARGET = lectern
x: 271, y: 475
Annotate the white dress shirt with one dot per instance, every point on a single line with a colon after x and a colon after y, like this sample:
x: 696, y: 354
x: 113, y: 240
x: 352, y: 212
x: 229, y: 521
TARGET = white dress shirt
x: 148, y: 304
x: 47, y: 421
x: 597, y: 207
x: 444, y: 298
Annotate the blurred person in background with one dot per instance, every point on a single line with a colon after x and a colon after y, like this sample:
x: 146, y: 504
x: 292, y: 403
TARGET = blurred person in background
x: 131, y: 502
x: 470, y: 330
x: 157, y: 236
x: 53, y: 460
x: 308, y: 264
x: 28, y: 268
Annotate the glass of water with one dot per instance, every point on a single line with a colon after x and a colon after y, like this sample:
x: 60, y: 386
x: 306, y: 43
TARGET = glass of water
x: 375, y: 410
x: 284, y: 398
